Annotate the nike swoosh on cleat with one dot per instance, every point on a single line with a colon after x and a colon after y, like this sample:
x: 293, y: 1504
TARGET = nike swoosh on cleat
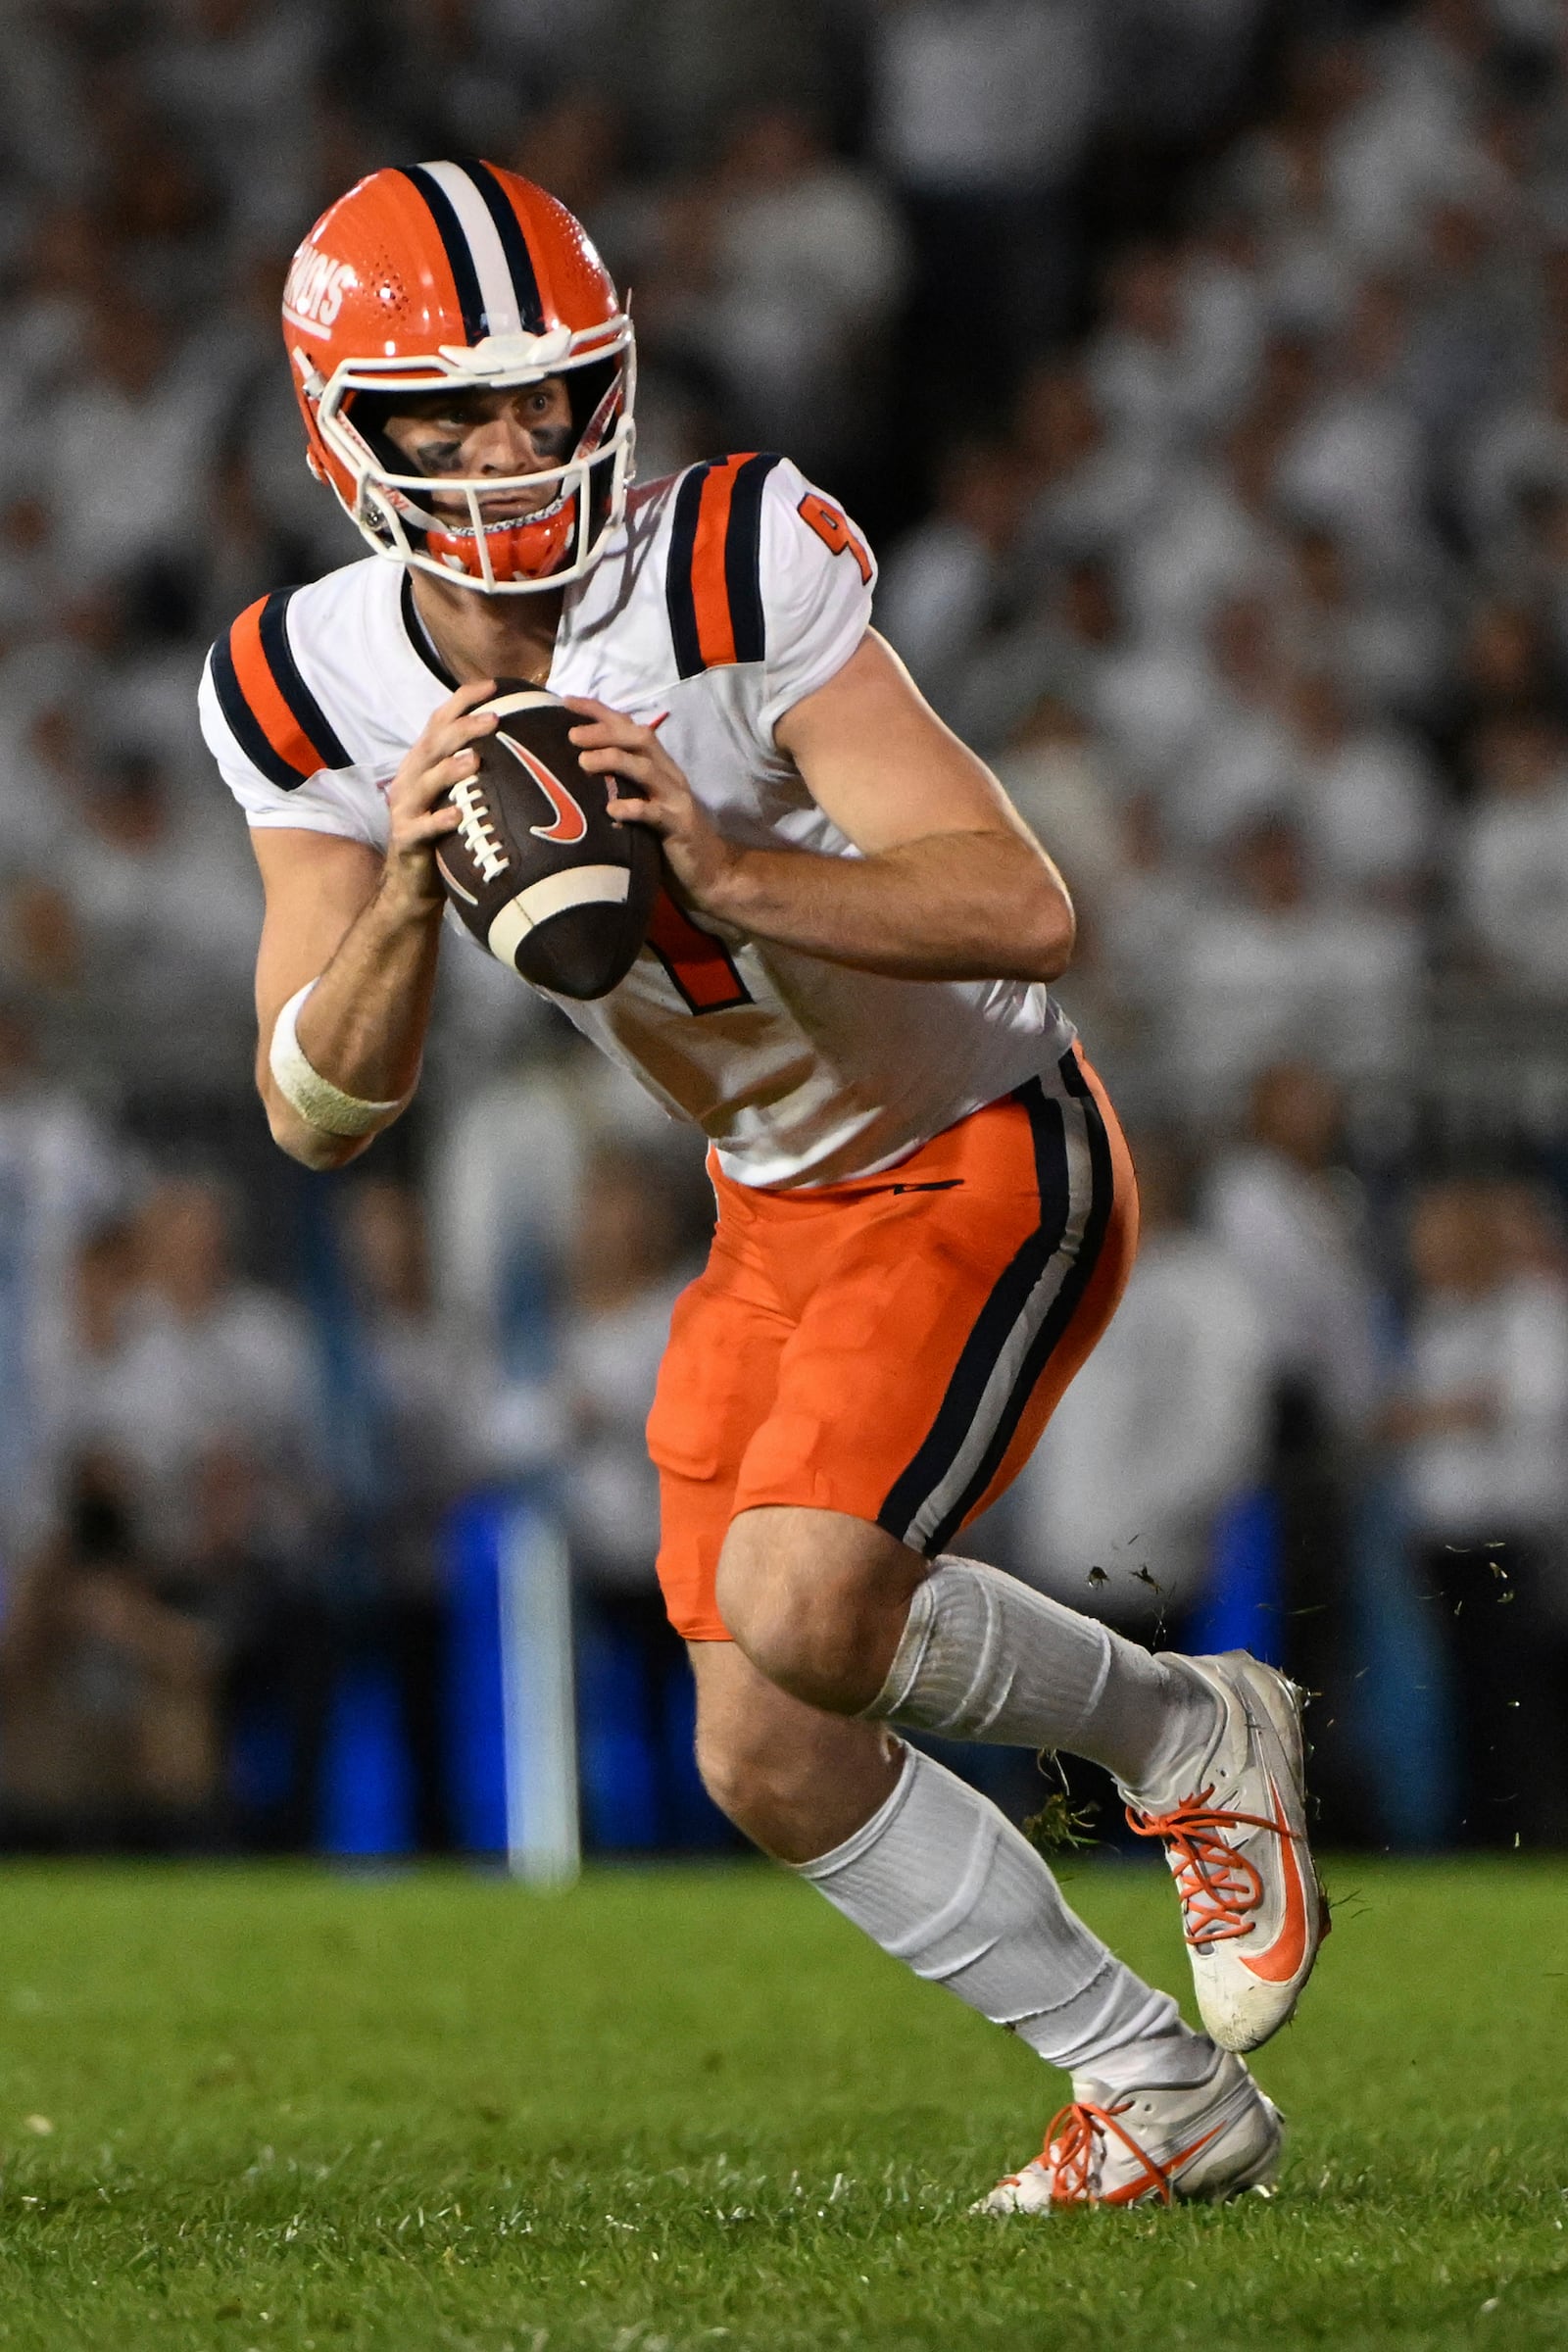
x: 1166, y: 2173
x: 1196, y: 2150
x: 1285, y: 1953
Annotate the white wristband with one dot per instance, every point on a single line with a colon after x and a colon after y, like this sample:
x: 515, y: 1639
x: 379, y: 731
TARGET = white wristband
x: 319, y: 1103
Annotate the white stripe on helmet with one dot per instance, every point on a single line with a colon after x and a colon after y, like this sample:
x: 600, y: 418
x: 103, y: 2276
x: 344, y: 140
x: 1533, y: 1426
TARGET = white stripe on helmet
x: 496, y: 289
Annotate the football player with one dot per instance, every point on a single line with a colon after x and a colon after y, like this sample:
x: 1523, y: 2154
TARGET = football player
x: 926, y: 1208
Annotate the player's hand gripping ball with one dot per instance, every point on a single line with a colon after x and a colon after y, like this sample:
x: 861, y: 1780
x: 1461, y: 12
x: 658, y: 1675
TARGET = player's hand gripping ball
x: 537, y: 869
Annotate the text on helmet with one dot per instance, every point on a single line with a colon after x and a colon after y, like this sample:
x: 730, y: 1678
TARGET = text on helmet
x: 315, y: 286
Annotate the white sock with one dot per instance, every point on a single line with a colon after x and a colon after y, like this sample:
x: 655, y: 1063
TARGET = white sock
x: 942, y: 1880
x: 985, y: 1657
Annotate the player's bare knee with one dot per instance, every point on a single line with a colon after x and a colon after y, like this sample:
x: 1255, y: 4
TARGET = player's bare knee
x: 817, y: 1603
x: 723, y: 1771
x: 747, y: 1771
x: 732, y: 1780
x: 812, y: 1650
x: 780, y: 1615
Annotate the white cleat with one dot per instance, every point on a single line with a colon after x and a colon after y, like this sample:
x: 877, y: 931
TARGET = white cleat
x: 1154, y: 2146
x: 1252, y: 1910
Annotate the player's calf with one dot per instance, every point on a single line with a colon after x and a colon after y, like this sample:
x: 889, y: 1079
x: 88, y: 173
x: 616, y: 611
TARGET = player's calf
x: 1208, y: 1751
x: 983, y: 1657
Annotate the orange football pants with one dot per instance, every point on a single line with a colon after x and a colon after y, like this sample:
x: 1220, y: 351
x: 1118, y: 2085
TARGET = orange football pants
x: 892, y: 1348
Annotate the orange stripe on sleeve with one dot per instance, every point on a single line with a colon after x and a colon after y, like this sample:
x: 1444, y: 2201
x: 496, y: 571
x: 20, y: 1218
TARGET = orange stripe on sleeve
x: 265, y: 696
x: 716, y: 630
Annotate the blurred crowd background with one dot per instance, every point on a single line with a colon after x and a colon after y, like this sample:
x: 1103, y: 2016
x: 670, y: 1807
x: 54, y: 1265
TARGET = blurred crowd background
x: 1200, y: 369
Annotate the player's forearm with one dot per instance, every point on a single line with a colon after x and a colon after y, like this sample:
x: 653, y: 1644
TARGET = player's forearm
x: 363, y: 1026
x: 953, y: 907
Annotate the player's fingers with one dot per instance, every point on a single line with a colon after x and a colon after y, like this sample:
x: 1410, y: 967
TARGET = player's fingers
x: 469, y: 723
x: 459, y: 718
x: 611, y: 727
x: 428, y: 773
x: 624, y: 760
x: 419, y: 832
x: 428, y: 785
x: 432, y: 825
x: 468, y: 727
x: 633, y: 811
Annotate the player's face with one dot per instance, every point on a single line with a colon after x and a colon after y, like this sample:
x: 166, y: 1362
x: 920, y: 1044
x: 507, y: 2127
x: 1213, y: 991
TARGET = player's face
x: 470, y: 436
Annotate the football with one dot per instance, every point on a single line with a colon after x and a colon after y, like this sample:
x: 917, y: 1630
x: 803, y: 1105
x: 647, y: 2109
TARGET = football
x: 537, y: 869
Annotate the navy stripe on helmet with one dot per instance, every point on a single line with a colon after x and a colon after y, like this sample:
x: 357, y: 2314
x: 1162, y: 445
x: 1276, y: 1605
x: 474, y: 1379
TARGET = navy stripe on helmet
x: 514, y: 243
x: 465, y: 276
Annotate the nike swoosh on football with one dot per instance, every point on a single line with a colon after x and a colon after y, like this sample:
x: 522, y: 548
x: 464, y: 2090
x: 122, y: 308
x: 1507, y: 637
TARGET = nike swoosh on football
x: 1285, y: 1953
x: 570, y: 825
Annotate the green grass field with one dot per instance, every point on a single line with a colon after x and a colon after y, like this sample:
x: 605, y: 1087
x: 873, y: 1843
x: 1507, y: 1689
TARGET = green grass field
x: 682, y: 2108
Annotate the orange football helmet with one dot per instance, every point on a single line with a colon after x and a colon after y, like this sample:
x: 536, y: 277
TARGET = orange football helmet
x: 461, y: 273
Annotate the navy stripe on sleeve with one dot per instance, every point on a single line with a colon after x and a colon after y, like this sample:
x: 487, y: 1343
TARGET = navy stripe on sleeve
x: 743, y: 558
x: 311, y: 720
x: 243, y: 724
x: 679, y: 597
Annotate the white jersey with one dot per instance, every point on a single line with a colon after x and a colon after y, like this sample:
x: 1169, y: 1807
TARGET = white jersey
x: 732, y: 591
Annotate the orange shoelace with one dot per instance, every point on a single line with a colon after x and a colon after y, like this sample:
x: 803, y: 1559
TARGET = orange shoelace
x: 1218, y: 1888
x: 1071, y: 2152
